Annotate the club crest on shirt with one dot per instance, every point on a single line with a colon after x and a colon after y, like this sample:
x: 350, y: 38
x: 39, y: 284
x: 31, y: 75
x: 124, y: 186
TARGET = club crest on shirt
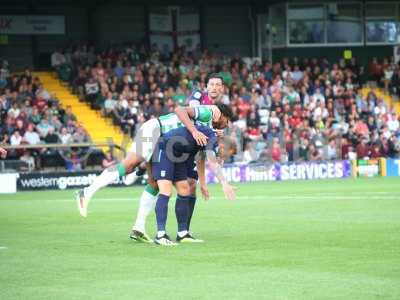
x: 197, y: 95
x: 163, y: 173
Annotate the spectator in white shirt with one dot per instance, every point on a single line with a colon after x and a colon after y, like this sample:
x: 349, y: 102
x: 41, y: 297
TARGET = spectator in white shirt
x: 16, y: 138
x: 57, y: 59
x: 14, y: 111
x: 109, y: 104
x: 31, y: 136
x: 318, y: 96
x: 393, y: 122
x: 42, y: 93
x: 274, y: 120
x: 297, y: 75
x: 65, y: 136
x: 380, y: 109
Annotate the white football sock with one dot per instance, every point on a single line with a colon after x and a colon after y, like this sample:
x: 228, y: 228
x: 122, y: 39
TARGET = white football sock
x: 182, y: 233
x: 105, y: 178
x: 130, y: 178
x: 146, y: 206
x: 160, y: 233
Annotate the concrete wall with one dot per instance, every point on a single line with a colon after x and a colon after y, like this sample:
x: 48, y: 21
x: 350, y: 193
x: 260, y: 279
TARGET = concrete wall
x: 228, y: 29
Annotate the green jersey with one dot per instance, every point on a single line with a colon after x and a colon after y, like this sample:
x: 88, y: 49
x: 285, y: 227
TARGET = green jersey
x: 203, y: 115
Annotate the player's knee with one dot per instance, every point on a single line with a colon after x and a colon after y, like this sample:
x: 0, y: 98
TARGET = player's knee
x: 183, y: 189
x: 165, y: 187
x: 153, y: 184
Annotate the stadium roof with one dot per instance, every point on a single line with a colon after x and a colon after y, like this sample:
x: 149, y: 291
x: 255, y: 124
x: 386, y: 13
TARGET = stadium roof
x: 138, y: 2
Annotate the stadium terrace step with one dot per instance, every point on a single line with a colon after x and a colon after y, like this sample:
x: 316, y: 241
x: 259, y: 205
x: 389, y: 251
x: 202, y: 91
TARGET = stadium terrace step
x: 390, y: 102
x: 98, y: 127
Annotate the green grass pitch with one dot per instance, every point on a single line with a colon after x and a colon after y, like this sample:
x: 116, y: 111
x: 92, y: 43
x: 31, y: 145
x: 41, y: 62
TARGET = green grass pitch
x: 333, y: 239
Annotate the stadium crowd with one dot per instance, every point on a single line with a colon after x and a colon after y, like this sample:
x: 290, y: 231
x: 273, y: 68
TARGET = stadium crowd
x: 31, y: 115
x: 296, y: 109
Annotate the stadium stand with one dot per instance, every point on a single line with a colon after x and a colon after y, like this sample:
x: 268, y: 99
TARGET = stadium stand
x: 291, y: 110
x: 31, y: 115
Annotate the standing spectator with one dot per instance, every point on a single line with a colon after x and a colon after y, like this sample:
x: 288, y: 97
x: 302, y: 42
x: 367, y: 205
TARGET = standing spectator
x: 276, y: 151
x: 4, y: 74
x: 57, y: 59
x: 92, y: 90
x: 362, y: 149
x: 29, y: 160
x: 331, y: 150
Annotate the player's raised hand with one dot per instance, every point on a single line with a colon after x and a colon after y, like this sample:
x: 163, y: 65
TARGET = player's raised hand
x: 199, y: 137
x: 229, y: 191
x: 3, y: 152
x: 205, y: 192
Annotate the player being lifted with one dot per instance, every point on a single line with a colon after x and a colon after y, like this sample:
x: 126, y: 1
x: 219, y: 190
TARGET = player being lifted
x: 171, y: 165
x: 143, y: 146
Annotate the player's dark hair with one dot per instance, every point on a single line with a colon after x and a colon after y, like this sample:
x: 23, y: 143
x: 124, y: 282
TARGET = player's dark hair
x: 225, y: 110
x: 215, y: 75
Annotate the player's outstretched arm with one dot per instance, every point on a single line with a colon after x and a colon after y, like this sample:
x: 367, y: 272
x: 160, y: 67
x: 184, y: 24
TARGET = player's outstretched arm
x: 185, y: 114
x: 229, y: 190
x: 201, y: 170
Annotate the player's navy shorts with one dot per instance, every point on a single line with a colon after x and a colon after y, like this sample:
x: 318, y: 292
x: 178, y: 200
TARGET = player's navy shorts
x: 164, y: 168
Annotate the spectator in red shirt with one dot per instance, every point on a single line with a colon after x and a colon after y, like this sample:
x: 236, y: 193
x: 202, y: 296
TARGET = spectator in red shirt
x: 276, y: 152
x: 375, y: 151
x: 294, y: 120
x: 362, y: 149
x: 243, y: 108
x: 361, y: 128
x: 375, y: 70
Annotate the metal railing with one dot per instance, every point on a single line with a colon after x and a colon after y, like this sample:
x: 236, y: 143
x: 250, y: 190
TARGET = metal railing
x: 56, y: 155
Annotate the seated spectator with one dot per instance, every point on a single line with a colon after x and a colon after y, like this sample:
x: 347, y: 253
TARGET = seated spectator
x: 44, y: 126
x: 109, y: 105
x: 14, y: 111
x: 80, y: 136
x: 65, y: 136
x: 51, y: 137
x: 31, y: 136
x: 16, y: 138
x: 42, y: 93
